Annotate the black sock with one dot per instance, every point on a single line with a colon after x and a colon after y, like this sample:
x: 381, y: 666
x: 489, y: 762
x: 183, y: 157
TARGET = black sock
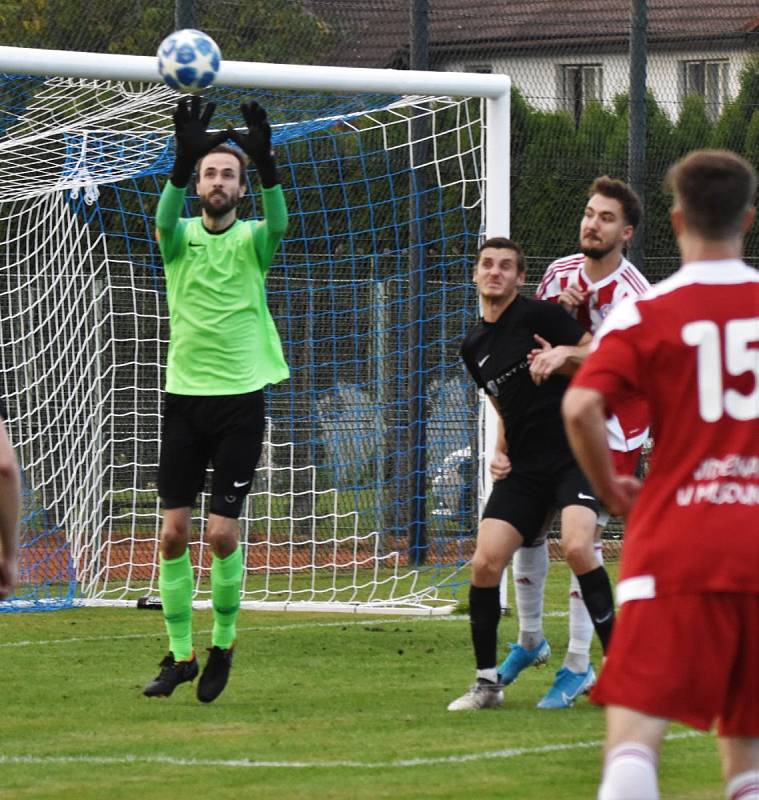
x: 596, y: 593
x: 484, y: 615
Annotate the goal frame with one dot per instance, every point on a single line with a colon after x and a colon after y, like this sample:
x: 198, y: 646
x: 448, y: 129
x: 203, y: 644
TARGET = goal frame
x: 494, y: 89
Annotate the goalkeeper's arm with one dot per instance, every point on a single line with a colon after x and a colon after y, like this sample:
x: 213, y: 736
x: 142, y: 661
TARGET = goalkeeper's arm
x: 167, y: 219
x: 256, y: 143
x: 192, y: 142
x: 269, y: 232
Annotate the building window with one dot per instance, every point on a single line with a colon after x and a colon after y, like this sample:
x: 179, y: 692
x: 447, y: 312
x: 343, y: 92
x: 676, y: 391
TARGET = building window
x: 580, y: 84
x: 707, y: 78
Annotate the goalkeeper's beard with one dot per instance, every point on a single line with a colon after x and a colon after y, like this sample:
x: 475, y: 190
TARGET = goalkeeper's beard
x: 219, y: 210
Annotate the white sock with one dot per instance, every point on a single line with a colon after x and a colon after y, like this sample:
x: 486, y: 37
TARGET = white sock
x: 530, y: 569
x: 580, y: 624
x: 629, y: 773
x: 744, y: 786
x: 490, y: 674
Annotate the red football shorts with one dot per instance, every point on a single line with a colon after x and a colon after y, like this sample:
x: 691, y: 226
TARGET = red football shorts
x: 690, y: 658
x: 625, y: 463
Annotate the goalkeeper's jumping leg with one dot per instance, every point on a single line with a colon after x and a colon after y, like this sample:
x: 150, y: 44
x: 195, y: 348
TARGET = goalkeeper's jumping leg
x: 175, y: 586
x: 226, y: 582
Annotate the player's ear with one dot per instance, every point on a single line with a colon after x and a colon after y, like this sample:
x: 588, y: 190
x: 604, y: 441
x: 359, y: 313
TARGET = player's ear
x: 749, y: 216
x: 627, y: 233
x: 676, y: 219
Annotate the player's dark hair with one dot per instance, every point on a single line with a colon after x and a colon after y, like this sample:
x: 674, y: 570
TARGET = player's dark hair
x: 502, y: 243
x: 632, y: 209
x: 233, y: 151
x: 714, y: 189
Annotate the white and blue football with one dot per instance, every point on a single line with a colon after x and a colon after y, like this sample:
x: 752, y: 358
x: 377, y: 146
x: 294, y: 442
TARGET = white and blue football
x: 188, y: 60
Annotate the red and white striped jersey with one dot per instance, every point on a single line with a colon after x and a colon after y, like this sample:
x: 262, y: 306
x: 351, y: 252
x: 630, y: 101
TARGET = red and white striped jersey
x: 625, y: 281
x: 627, y: 427
x: 690, y: 346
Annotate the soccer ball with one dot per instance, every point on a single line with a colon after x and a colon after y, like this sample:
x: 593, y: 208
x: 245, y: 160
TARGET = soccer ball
x: 188, y: 60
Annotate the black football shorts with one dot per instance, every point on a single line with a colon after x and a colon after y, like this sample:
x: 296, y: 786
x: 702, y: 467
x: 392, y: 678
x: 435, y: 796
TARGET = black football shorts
x: 225, y: 431
x: 523, y: 500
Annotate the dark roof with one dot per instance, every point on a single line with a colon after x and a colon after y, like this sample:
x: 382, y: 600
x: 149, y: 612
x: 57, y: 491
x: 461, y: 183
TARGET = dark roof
x: 376, y: 33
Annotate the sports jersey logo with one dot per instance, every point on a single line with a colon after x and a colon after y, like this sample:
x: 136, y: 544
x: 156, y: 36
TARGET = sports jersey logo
x: 493, y: 387
x: 604, y: 310
x: 481, y: 363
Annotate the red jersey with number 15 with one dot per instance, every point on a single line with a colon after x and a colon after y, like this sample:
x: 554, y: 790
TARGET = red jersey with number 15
x: 691, y: 346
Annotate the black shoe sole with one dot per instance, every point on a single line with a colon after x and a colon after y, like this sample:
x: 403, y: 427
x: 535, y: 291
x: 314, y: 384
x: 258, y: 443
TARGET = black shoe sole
x: 168, y: 694
x: 164, y: 694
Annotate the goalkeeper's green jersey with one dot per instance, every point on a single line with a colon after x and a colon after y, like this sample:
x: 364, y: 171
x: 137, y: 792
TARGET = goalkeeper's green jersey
x: 223, y: 340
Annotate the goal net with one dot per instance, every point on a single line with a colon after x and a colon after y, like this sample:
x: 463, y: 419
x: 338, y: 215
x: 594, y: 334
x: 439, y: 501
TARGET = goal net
x: 365, y: 497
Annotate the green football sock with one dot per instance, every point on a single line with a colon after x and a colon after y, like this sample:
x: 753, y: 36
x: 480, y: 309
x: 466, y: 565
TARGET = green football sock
x: 226, y: 582
x: 175, y: 586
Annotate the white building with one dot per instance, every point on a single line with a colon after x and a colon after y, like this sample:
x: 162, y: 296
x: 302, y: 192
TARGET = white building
x: 562, y: 54
x: 569, y: 81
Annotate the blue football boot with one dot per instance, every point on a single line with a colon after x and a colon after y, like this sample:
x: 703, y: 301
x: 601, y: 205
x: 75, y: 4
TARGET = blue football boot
x: 567, y: 687
x: 520, y: 658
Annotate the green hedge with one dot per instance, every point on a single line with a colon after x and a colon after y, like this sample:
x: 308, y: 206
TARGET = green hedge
x: 554, y: 162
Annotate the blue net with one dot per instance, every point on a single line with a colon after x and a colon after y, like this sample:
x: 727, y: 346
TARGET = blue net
x: 369, y: 468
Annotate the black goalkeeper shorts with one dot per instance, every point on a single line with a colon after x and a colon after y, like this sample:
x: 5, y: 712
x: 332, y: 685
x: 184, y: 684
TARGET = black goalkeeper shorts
x: 225, y: 431
x: 523, y: 500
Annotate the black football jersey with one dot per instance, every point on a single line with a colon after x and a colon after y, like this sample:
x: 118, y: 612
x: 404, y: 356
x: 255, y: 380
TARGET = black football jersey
x: 495, y: 353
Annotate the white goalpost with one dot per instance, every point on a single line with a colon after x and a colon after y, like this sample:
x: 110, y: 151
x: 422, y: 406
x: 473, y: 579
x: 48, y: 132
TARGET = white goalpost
x: 86, y: 143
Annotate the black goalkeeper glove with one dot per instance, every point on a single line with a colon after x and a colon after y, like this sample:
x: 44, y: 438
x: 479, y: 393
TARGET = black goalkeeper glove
x: 192, y: 138
x: 256, y: 143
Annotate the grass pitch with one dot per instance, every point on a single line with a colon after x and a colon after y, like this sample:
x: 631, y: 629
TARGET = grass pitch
x: 318, y: 706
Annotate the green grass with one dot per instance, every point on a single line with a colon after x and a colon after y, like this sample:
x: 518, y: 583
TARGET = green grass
x: 305, y: 689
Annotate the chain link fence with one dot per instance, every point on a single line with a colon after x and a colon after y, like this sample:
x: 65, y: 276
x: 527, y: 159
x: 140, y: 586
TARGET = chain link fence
x: 569, y: 61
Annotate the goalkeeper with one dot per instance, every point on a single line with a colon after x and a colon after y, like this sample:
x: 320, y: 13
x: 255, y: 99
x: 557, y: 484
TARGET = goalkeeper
x: 223, y: 349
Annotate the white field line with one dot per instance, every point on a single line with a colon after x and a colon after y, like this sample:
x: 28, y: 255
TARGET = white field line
x: 245, y: 763
x: 256, y: 628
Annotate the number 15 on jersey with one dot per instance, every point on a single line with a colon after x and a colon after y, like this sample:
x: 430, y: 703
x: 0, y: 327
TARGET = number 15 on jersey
x: 740, y: 344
